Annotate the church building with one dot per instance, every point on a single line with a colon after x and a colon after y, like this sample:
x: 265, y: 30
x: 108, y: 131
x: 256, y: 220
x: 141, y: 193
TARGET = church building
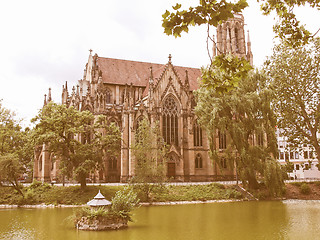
x: 127, y: 91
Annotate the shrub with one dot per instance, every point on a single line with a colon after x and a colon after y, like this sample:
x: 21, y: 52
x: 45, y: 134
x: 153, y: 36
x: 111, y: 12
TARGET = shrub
x: 123, y: 202
x: 305, y: 188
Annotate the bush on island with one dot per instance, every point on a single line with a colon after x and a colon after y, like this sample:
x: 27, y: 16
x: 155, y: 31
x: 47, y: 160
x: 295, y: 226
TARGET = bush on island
x: 103, y: 218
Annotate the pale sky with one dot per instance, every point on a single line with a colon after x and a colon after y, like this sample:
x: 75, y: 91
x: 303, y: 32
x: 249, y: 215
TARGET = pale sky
x: 45, y: 43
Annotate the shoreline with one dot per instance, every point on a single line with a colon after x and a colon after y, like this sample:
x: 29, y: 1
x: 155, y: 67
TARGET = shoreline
x: 43, y: 206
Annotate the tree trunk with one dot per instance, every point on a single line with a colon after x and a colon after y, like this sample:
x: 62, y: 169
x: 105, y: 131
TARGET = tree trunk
x: 252, y: 182
x: 83, y: 181
x: 16, y: 186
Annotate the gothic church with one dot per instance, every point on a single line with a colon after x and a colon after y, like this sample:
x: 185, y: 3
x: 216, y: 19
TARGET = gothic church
x: 126, y: 91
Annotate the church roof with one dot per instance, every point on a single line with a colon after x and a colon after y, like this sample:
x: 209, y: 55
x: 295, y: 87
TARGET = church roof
x: 118, y: 71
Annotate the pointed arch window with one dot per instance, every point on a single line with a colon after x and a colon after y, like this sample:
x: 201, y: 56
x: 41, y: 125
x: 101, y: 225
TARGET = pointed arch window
x: 198, y: 161
x: 222, y: 140
x: 236, y: 34
x: 170, y: 121
x: 260, y: 139
x: 197, y: 135
x: 138, y: 123
x: 112, y: 163
x: 122, y: 96
x: 108, y: 96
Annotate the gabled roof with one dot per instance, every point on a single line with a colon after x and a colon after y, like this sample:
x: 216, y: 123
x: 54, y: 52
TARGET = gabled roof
x: 118, y: 71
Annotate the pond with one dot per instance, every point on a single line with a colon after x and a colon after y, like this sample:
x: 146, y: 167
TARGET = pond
x: 233, y: 220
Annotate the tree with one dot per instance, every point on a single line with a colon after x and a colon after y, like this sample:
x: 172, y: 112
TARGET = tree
x: 245, y: 114
x: 150, y: 156
x: 16, y: 150
x: 213, y: 12
x: 11, y: 169
x: 73, y: 137
x: 108, y: 136
x: 295, y: 77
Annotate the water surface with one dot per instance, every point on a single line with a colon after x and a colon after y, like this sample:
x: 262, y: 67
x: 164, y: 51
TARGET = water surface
x: 235, y: 220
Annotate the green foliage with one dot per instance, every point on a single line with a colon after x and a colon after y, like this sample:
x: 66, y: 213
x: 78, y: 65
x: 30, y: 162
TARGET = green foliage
x: 243, y: 112
x: 124, y: 202
x: 208, y: 12
x: 224, y: 73
x: 150, y: 156
x: 91, y: 213
x: 108, y: 136
x: 273, y: 177
x: 205, y: 192
x: 11, y: 168
x: 288, y: 28
x: 305, y: 188
x: 74, y: 138
x: 295, y: 79
x: 16, y: 149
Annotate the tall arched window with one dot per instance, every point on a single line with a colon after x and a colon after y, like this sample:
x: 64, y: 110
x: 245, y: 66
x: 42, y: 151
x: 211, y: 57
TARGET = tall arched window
x: 40, y: 164
x: 222, y: 140
x: 170, y: 121
x: 197, y: 135
x: 108, y: 96
x: 138, y: 123
x: 112, y: 163
x: 236, y: 34
x: 122, y: 96
x: 259, y: 137
x: 198, y: 161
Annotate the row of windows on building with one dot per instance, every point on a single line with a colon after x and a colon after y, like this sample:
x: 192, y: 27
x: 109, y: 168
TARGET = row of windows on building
x: 296, y: 155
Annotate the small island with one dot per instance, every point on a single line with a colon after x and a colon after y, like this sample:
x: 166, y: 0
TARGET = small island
x: 101, y: 214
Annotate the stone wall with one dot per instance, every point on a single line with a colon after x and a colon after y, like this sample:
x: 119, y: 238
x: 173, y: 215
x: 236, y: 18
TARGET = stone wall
x: 101, y: 223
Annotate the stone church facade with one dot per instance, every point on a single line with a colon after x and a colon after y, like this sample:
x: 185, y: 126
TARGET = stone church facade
x: 127, y: 91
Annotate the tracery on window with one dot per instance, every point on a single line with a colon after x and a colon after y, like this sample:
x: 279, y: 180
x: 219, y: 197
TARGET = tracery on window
x: 236, y: 34
x: 198, y: 161
x: 260, y: 139
x: 138, y: 123
x: 222, y: 140
x: 123, y: 96
x: 112, y: 163
x: 108, y: 96
x: 197, y: 135
x: 170, y: 121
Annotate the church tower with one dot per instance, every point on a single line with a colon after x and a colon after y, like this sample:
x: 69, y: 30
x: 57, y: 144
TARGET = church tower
x: 231, y: 39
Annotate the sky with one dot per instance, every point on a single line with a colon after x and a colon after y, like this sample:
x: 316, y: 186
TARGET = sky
x: 43, y: 44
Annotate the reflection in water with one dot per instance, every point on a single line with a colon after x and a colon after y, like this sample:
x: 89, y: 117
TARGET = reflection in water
x: 238, y: 220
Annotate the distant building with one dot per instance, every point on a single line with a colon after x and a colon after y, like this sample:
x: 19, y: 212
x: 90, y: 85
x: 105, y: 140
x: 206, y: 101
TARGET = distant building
x: 303, y: 158
x: 127, y: 91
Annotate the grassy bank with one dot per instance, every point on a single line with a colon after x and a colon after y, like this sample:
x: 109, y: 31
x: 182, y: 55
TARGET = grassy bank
x: 38, y: 193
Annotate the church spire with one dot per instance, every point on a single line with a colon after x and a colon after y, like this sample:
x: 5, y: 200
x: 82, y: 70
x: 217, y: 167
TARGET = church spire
x: 89, y: 67
x: 170, y: 57
x: 49, y: 95
x: 45, y: 100
x: 249, y: 53
x: 186, y: 82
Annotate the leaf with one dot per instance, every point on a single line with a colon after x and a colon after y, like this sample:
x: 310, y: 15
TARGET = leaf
x: 177, y: 6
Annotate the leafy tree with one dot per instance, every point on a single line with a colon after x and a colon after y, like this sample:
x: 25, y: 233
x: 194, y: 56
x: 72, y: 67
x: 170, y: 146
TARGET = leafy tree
x: 74, y: 138
x: 150, y: 155
x: 11, y: 169
x: 213, y: 12
x: 295, y: 78
x: 244, y: 113
x: 108, y: 136
x: 16, y: 150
